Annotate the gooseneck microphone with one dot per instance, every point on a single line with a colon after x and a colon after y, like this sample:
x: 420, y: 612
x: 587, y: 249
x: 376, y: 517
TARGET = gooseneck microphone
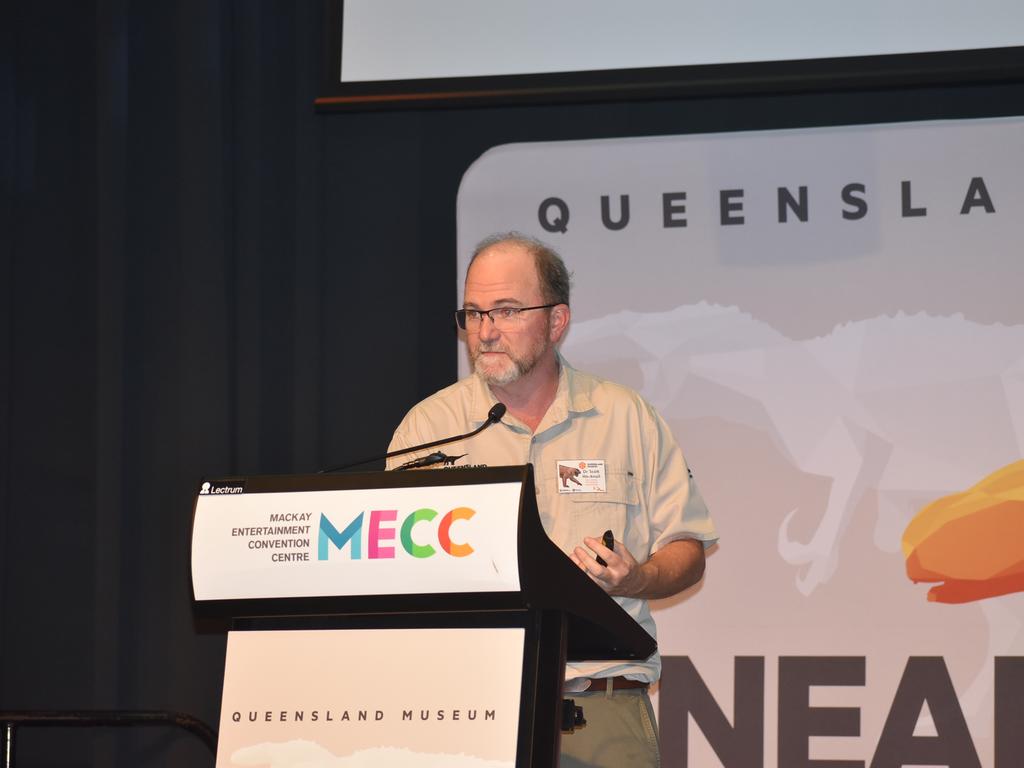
x: 494, y: 415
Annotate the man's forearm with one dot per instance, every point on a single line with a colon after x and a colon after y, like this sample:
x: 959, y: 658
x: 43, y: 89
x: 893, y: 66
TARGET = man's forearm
x: 670, y: 570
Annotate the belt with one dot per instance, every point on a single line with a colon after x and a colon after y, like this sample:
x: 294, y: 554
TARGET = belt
x: 618, y: 683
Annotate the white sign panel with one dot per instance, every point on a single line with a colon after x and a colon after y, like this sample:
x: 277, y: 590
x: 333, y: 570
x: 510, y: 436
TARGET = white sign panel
x: 459, y: 538
x: 423, y: 698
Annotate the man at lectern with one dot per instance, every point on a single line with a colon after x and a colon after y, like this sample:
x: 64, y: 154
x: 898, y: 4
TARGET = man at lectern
x: 603, y: 460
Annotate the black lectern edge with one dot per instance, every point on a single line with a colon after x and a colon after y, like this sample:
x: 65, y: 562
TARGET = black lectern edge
x: 358, y: 480
x: 588, y: 641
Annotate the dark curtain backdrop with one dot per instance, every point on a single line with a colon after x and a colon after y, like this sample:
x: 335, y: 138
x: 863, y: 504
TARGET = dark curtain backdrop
x: 200, y: 276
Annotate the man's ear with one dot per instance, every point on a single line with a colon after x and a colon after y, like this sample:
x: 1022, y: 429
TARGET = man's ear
x: 559, y: 322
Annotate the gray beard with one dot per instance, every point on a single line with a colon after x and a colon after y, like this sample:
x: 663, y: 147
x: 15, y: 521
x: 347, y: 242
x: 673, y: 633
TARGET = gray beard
x: 511, y: 373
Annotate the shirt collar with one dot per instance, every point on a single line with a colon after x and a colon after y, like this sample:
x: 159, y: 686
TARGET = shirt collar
x: 578, y: 388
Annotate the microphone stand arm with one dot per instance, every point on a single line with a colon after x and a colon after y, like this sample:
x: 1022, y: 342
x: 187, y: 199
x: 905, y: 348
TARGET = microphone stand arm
x: 413, y: 449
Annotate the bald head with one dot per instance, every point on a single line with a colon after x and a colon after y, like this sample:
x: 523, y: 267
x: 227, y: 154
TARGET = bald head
x: 553, y: 279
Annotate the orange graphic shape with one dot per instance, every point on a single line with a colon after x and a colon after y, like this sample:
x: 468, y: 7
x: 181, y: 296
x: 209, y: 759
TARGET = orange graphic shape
x: 971, y: 542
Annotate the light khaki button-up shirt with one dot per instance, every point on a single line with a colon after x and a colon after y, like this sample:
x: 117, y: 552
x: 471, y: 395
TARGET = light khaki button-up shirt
x: 651, y: 498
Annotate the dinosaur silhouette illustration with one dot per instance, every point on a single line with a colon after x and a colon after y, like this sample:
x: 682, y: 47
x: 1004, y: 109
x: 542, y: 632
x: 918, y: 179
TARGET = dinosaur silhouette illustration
x: 907, y: 407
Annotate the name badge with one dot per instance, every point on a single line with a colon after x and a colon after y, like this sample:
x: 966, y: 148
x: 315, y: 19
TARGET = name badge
x: 582, y: 476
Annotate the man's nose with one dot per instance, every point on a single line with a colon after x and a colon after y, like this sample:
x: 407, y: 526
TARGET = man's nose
x: 488, y: 330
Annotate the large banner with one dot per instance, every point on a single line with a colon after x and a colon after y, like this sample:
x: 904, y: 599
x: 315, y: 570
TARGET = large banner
x: 832, y: 322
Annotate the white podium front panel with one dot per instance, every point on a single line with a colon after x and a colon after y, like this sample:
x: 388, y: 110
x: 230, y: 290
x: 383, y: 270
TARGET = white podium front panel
x: 372, y: 698
x: 383, y: 541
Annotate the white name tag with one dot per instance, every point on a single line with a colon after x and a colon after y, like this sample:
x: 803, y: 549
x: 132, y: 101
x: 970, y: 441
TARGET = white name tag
x: 581, y: 476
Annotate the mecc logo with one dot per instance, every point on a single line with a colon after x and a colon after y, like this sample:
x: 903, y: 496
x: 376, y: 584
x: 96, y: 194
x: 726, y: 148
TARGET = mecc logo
x: 381, y: 529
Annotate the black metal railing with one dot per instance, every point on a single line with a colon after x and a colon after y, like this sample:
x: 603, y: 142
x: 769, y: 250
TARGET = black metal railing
x: 10, y: 721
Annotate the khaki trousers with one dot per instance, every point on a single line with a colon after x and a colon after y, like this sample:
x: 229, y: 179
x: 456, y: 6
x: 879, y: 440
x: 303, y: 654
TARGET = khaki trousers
x: 621, y: 731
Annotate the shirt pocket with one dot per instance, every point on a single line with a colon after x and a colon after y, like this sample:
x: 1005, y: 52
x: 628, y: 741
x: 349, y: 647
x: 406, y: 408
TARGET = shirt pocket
x: 591, y: 514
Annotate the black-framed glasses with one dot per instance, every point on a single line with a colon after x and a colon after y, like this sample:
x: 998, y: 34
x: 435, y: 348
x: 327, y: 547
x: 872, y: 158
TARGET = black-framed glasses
x: 502, y: 317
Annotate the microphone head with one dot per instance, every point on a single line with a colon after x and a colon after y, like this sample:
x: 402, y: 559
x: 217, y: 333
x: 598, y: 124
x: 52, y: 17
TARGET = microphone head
x: 496, y: 413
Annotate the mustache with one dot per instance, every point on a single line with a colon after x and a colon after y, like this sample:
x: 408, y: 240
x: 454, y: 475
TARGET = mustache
x: 491, y: 347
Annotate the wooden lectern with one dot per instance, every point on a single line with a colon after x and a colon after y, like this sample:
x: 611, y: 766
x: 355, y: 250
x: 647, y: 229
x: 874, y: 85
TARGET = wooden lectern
x: 402, y: 618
